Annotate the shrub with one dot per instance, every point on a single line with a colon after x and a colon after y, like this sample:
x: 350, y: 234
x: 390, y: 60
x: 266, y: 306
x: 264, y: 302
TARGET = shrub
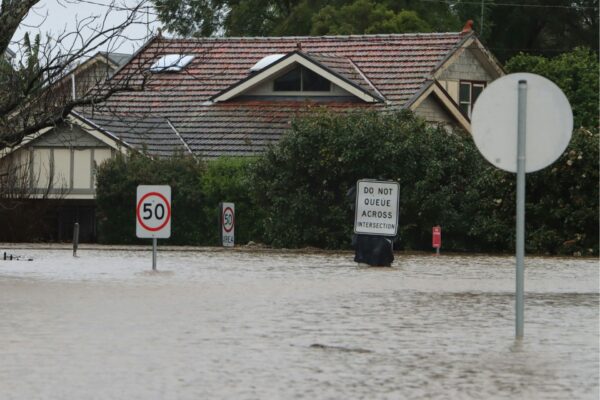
x: 118, y: 179
x: 197, y: 189
x: 227, y: 180
x: 303, y: 181
x: 302, y: 185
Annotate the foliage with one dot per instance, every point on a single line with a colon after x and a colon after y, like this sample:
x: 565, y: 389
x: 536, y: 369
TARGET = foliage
x: 364, y: 16
x: 302, y: 185
x: 227, y: 180
x: 303, y: 182
x: 301, y: 17
x: 544, y: 27
x: 33, y: 90
x: 117, y: 180
x: 197, y: 189
x: 296, y: 194
x: 561, y: 203
x: 575, y: 72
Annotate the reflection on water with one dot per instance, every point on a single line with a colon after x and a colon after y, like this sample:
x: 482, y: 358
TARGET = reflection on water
x: 234, y: 325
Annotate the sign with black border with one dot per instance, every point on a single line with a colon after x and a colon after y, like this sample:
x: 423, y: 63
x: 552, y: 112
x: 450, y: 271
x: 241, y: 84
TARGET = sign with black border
x: 377, y: 206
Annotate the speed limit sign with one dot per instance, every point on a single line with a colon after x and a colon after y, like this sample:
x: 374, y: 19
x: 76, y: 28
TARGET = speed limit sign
x: 228, y: 224
x: 153, y: 211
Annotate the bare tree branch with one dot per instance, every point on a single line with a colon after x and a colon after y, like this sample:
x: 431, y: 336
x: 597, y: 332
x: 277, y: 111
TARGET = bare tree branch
x: 36, y: 93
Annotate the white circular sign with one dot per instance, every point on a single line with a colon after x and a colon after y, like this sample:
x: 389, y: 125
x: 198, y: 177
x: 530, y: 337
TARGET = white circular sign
x: 549, y: 122
x: 153, y: 211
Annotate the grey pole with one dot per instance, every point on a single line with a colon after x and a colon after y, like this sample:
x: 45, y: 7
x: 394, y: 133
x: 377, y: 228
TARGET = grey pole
x: 75, y: 238
x: 520, y: 243
x: 153, y: 254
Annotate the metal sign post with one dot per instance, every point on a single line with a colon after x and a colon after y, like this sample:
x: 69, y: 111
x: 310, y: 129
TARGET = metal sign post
x: 153, y: 215
x: 154, y: 240
x: 520, y: 234
x: 75, y: 238
x: 544, y: 124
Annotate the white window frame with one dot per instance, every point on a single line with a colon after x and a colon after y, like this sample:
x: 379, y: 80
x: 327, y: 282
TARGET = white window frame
x: 469, y: 102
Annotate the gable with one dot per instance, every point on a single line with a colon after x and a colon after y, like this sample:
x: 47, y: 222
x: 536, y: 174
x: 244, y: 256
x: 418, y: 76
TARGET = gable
x: 67, y: 136
x: 267, y: 89
x: 466, y: 67
x: 342, y: 73
x: 432, y: 110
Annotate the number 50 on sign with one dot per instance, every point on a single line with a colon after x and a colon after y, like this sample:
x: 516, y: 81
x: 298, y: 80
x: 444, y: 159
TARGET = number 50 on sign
x: 153, y: 211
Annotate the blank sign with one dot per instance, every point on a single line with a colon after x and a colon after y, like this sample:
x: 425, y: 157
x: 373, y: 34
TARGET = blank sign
x: 548, y: 128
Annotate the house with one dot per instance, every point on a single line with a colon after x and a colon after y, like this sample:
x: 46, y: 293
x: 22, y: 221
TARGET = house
x: 58, y: 162
x: 214, y: 97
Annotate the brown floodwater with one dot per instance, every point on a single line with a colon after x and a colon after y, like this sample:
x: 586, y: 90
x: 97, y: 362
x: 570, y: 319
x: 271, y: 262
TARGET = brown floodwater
x: 252, y: 325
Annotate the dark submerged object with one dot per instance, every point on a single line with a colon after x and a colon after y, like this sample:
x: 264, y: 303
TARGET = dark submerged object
x: 373, y: 250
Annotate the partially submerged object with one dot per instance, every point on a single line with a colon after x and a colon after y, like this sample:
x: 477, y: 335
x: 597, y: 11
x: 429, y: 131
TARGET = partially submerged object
x: 11, y: 257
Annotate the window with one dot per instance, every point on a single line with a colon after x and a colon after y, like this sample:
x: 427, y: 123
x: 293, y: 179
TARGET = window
x: 266, y: 61
x: 171, y: 63
x: 301, y: 79
x: 468, y: 94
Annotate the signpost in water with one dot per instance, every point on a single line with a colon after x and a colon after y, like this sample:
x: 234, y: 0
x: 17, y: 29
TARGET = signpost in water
x: 521, y: 123
x: 153, y: 214
x: 376, y: 208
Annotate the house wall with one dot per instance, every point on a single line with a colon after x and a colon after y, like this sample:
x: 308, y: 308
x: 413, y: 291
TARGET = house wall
x: 62, y: 163
x: 465, y: 67
x: 432, y: 111
x: 91, y: 76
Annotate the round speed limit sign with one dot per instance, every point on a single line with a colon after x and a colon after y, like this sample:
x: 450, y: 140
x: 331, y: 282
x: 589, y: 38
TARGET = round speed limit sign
x: 153, y: 211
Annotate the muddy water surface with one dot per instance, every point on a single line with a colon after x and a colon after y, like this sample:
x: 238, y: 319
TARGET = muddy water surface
x: 236, y: 325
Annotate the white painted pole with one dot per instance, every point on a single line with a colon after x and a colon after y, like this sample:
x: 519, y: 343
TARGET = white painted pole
x: 154, y: 254
x: 520, y: 234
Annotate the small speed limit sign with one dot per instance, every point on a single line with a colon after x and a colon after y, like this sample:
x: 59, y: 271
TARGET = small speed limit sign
x: 227, y: 224
x: 153, y: 211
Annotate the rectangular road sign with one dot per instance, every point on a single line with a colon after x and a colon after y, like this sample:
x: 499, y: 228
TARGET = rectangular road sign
x: 436, y: 237
x: 227, y: 224
x: 153, y: 211
x: 377, y: 204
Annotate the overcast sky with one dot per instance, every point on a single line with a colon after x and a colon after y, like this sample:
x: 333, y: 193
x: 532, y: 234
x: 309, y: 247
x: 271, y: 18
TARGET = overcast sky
x: 54, y: 17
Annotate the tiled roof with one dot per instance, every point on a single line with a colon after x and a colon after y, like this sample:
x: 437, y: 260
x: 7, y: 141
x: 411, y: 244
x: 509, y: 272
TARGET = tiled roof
x: 245, y: 127
x: 396, y: 66
x: 345, y: 68
x: 154, y: 135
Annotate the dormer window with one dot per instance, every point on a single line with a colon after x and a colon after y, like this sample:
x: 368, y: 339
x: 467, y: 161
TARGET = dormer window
x: 171, y: 63
x: 301, y: 79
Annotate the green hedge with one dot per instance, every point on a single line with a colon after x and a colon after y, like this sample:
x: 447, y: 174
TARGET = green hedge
x: 295, y: 194
x: 118, y: 179
x: 197, y: 188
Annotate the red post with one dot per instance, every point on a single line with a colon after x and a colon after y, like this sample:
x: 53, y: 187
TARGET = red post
x: 436, y: 238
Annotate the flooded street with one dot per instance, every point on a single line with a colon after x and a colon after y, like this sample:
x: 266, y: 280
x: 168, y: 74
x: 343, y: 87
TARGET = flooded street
x: 277, y: 325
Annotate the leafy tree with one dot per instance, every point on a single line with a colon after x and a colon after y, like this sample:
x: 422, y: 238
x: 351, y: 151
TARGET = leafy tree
x: 364, y: 16
x: 298, y: 17
x: 544, y: 27
x: 33, y: 94
x: 575, y: 72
